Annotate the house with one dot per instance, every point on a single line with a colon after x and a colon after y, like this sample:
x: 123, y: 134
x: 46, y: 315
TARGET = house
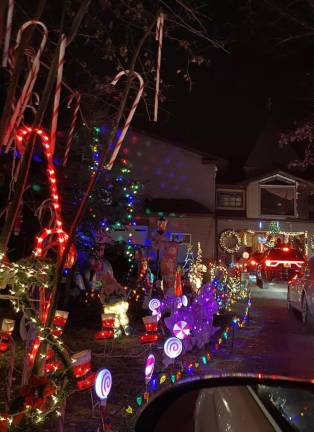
x: 254, y: 206
x: 179, y: 184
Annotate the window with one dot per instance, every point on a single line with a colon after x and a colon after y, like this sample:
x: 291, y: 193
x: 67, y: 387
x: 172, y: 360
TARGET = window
x: 230, y: 200
x: 185, y: 238
x: 278, y: 200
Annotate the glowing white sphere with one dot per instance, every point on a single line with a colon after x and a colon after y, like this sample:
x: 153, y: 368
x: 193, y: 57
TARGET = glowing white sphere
x: 173, y: 347
x: 154, y: 304
x: 245, y: 255
x: 149, y: 368
x: 103, y: 383
x: 184, y: 300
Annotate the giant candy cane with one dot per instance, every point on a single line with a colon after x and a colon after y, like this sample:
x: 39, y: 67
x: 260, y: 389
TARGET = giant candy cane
x: 76, y: 109
x: 56, y: 102
x: 130, y: 115
x: 8, y: 31
x: 29, y: 84
x: 159, y: 38
x: 54, y: 195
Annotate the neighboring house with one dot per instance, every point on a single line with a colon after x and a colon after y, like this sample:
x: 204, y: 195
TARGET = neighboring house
x: 179, y: 184
x: 250, y: 206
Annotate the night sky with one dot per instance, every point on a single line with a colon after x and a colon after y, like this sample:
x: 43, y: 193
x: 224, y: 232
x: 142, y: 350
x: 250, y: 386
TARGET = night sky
x: 228, y: 106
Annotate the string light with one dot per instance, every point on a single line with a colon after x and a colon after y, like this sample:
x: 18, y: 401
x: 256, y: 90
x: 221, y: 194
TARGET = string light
x: 189, y: 369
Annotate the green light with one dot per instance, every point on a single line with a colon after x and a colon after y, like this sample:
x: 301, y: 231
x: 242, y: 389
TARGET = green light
x: 173, y: 378
x: 204, y: 360
x: 36, y: 187
x: 139, y: 400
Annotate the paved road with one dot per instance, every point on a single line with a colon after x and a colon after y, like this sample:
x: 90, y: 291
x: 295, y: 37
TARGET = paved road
x: 275, y: 341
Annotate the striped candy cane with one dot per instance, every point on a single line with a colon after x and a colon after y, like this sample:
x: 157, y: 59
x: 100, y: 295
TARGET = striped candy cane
x: 159, y: 38
x: 56, y: 102
x: 130, y: 116
x: 8, y: 30
x: 29, y: 84
x: 77, y: 97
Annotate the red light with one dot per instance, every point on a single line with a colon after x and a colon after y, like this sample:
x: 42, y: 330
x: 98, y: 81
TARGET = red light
x: 286, y: 249
x: 253, y: 262
x: 268, y: 263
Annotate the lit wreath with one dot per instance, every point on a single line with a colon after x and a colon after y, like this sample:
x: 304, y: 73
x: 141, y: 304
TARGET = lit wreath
x: 230, y: 234
x: 311, y: 242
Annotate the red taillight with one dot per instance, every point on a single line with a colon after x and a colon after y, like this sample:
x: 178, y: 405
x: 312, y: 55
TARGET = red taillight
x: 253, y: 263
x: 286, y: 249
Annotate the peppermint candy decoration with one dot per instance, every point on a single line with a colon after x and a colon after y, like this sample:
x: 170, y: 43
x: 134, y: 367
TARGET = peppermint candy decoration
x: 149, y: 368
x: 154, y: 304
x: 181, y: 330
x: 157, y: 313
x: 173, y: 347
x: 103, y: 383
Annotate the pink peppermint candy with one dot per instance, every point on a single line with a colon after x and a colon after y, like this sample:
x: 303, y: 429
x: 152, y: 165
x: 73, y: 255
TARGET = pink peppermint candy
x: 149, y: 368
x: 181, y: 330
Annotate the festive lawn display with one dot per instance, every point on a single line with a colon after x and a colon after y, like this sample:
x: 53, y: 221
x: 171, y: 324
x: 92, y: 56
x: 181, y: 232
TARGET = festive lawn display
x: 75, y: 257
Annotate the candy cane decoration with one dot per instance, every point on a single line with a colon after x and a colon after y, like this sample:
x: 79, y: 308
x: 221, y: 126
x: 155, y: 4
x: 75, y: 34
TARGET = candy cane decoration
x: 8, y: 31
x: 29, y: 84
x: 130, y: 116
x: 56, y: 102
x: 76, y: 109
x: 159, y: 38
x: 54, y: 196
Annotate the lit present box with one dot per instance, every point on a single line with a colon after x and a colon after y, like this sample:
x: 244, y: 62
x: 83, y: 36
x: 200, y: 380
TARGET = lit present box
x: 105, y: 334
x: 87, y: 382
x: 149, y: 338
x: 7, y: 326
x: 108, y: 320
x: 151, y: 323
x: 60, y: 318
x: 82, y: 363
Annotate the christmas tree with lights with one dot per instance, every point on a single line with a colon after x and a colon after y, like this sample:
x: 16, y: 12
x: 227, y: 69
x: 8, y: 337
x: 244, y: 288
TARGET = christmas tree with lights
x: 111, y: 205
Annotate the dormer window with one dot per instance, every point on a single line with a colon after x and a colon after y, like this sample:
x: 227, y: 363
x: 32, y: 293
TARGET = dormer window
x: 278, y: 197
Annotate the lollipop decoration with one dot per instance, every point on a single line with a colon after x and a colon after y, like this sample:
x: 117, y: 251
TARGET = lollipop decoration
x: 154, y: 304
x: 149, y: 368
x: 181, y: 330
x: 173, y: 347
x: 103, y: 385
x: 184, y: 300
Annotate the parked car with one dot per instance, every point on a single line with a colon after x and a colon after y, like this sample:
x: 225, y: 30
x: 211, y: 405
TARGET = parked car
x: 279, y: 264
x: 300, y: 294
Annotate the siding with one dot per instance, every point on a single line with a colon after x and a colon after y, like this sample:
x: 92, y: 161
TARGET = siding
x: 201, y: 228
x: 168, y: 171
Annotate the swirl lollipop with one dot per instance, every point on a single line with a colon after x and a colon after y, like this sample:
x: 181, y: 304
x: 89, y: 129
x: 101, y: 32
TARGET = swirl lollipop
x: 149, y: 368
x: 173, y: 347
x: 154, y: 304
x: 103, y: 384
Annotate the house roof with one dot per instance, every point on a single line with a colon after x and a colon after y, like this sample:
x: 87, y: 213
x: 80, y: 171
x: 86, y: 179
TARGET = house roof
x: 174, y: 206
x: 267, y: 153
x: 274, y: 173
x: 206, y: 157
